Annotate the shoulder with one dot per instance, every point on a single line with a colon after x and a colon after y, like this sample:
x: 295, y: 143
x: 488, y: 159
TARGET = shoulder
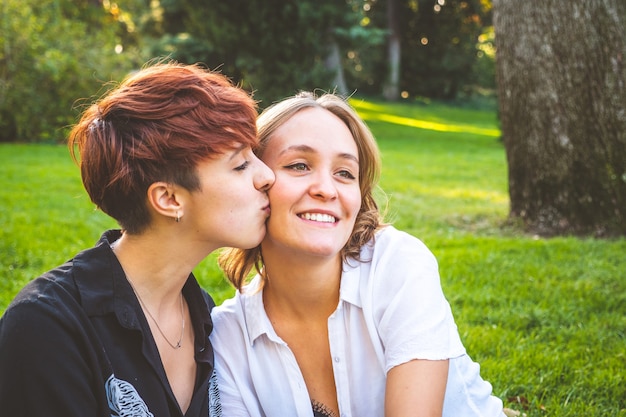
x: 46, y: 312
x: 62, y: 283
x: 47, y: 292
x: 398, y: 268
x: 229, y: 319
x: 241, y: 318
x: 392, y: 237
x: 227, y: 312
x: 392, y: 248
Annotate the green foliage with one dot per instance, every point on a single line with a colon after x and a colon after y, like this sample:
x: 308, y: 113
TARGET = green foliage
x: 52, y: 53
x: 276, y: 48
x: 273, y: 48
x: 545, y: 318
x: 56, y: 54
x: 440, y: 40
x: 241, y: 39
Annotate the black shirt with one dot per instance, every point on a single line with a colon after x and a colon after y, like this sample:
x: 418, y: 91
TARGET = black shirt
x: 75, y: 342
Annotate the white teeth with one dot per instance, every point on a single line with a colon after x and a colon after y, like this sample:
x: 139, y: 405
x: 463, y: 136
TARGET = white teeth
x: 319, y: 217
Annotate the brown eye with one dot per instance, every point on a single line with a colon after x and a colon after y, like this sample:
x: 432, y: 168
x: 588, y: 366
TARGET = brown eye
x: 346, y: 174
x: 297, y: 166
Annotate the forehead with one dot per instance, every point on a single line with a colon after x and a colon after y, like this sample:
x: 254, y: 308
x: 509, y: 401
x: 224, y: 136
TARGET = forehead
x: 314, y: 128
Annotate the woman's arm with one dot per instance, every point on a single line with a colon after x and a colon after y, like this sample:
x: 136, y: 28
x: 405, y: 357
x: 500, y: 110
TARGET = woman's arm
x: 416, y: 389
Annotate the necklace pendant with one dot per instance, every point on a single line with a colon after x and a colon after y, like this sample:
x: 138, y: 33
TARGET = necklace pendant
x: 182, y: 315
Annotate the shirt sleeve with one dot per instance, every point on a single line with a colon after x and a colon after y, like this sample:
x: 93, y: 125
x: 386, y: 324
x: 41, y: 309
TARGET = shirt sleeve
x: 43, y: 368
x: 412, y: 316
x: 230, y: 358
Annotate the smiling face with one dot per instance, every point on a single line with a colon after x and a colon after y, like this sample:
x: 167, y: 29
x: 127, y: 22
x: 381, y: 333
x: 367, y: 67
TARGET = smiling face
x: 316, y: 197
x: 232, y: 205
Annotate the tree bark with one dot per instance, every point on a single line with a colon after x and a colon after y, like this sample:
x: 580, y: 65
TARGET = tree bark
x: 333, y: 63
x: 561, y: 74
x: 391, y: 89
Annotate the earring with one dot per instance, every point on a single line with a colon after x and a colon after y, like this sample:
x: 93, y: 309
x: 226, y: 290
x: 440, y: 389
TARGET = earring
x: 177, y: 217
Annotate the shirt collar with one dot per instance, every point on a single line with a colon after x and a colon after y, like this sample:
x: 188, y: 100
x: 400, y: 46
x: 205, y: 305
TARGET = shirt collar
x: 349, y: 290
x: 355, y: 275
x: 258, y: 323
x: 100, y: 278
x: 104, y: 289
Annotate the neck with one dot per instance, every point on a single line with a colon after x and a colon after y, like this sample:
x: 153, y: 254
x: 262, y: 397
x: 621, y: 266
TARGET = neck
x: 157, y: 276
x: 152, y: 265
x: 303, y: 288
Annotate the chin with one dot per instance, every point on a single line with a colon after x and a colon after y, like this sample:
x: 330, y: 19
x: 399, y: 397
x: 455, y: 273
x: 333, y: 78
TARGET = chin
x: 256, y: 242
x: 325, y: 252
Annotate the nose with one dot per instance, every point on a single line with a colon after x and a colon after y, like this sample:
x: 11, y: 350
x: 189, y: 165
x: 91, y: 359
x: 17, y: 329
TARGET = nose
x: 264, y: 177
x: 323, y: 186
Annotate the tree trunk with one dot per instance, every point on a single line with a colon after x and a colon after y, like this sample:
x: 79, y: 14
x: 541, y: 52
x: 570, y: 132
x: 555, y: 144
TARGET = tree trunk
x: 391, y: 89
x: 333, y: 63
x: 561, y: 84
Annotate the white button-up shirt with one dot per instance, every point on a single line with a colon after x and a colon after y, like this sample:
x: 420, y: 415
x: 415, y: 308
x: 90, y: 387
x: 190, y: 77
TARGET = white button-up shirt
x: 391, y: 310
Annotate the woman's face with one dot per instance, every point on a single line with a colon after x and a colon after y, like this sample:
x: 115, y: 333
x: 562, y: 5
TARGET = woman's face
x: 232, y: 205
x: 316, y: 196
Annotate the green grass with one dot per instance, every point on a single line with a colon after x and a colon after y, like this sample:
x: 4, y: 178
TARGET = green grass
x: 546, y: 319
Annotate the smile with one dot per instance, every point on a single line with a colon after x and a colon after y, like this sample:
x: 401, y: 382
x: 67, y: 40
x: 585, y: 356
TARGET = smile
x: 318, y: 217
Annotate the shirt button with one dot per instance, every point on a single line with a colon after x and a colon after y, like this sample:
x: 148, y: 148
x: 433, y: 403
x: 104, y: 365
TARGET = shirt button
x: 337, y: 359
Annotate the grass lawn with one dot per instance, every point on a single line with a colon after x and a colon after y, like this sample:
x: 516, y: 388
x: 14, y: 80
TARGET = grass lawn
x: 545, y: 318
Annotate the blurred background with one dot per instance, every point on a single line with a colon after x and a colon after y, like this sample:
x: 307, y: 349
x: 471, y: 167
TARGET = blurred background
x: 54, y: 54
x: 555, y: 81
x: 502, y: 125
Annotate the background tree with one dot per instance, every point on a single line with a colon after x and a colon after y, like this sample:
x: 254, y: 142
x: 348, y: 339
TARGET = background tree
x: 52, y: 53
x: 391, y: 89
x: 439, y: 45
x: 55, y: 52
x: 561, y: 86
x: 272, y: 47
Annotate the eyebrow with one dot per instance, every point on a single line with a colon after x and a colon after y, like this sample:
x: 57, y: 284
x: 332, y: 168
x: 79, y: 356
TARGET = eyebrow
x: 237, y: 151
x: 308, y: 149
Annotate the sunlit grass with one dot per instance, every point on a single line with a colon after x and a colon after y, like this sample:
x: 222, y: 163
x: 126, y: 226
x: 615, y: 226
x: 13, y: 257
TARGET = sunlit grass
x: 370, y: 112
x: 546, y: 319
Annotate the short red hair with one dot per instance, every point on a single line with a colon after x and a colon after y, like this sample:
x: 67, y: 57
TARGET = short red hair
x: 157, y: 125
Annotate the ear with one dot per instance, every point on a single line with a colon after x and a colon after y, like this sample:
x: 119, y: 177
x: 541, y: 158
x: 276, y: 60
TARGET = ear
x: 165, y: 200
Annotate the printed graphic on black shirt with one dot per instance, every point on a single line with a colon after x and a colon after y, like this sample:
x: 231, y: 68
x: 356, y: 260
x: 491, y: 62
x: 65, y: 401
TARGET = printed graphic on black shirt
x: 124, y: 400
x: 215, y: 405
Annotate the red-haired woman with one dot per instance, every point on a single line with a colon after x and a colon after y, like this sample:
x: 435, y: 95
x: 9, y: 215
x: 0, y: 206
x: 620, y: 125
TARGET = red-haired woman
x: 122, y: 328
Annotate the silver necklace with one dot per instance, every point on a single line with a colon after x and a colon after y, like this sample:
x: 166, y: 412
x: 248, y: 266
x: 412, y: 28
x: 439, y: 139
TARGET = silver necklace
x: 179, y: 344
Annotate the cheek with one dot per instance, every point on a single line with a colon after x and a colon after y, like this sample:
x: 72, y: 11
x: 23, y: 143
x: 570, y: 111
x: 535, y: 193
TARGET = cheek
x: 279, y: 191
x: 355, y: 202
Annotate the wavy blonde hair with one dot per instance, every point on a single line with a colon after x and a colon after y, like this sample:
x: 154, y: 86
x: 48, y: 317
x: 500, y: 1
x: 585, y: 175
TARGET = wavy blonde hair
x: 238, y: 263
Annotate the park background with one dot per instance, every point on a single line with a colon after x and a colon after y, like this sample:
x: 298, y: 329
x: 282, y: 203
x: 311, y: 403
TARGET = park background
x: 540, y: 305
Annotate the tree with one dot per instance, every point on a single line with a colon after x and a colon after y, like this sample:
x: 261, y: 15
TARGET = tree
x: 438, y: 39
x: 272, y: 47
x: 561, y: 74
x: 53, y: 53
x: 391, y: 89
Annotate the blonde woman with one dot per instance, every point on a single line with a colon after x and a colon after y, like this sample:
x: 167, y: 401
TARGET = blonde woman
x: 346, y: 316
